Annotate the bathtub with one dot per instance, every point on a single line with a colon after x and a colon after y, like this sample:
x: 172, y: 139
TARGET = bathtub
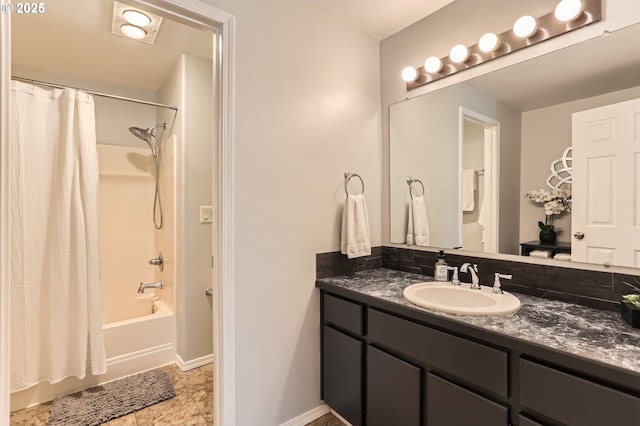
x: 142, y: 341
x: 132, y: 345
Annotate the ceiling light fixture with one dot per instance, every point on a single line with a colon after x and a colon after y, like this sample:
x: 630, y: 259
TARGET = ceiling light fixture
x: 137, y: 18
x: 132, y: 31
x: 134, y: 23
x: 492, y: 45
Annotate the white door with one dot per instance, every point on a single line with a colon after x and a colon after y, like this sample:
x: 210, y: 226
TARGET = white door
x: 606, y: 185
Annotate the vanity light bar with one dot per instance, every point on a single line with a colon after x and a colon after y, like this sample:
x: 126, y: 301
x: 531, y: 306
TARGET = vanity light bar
x: 576, y: 13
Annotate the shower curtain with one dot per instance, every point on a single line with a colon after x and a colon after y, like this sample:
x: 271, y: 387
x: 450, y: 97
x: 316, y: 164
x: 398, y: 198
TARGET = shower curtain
x: 56, y: 299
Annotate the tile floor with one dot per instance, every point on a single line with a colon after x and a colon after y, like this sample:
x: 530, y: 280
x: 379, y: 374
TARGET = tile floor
x: 192, y: 405
x: 326, y: 420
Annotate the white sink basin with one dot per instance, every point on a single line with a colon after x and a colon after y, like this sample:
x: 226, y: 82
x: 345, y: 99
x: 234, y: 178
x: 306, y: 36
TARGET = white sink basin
x: 461, y: 299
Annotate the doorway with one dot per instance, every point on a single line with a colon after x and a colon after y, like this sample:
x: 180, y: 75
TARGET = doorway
x: 479, y: 189
x: 221, y: 23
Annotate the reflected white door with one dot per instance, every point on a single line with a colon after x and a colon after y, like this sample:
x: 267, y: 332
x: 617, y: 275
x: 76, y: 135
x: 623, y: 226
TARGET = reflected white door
x: 606, y: 185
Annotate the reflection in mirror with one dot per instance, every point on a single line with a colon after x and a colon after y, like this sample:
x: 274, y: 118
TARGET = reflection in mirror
x: 533, y: 105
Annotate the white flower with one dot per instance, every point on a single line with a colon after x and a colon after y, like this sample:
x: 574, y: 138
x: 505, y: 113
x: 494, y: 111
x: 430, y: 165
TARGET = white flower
x: 553, y: 207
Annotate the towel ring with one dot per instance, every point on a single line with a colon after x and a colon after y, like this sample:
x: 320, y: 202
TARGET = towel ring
x: 347, y: 177
x: 410, y: 182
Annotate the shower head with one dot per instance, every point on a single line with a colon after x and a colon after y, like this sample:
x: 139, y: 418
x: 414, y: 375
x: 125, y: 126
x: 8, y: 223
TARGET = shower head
x: 147, y: 135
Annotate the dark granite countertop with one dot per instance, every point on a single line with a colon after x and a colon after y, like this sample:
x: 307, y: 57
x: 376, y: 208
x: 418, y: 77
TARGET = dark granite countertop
x: 578, y: 330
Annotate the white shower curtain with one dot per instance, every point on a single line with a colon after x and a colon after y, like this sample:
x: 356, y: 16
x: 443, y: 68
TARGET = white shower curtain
x: 56, y: 298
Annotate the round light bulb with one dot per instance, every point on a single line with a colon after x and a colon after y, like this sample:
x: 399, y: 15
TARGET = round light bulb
x: 432, y: 64
x: 488, y: 42
x: 459, y: 53
x: 132, y: 31
x: 409, y: 74
x: 136, y: 18
x: 525, y: 26
x: 568, y: 10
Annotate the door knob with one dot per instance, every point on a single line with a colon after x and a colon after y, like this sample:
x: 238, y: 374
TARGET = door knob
x: 578, y: 235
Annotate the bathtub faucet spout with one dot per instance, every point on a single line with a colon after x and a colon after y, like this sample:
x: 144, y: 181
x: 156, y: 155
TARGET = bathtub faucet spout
x: 144, y: 286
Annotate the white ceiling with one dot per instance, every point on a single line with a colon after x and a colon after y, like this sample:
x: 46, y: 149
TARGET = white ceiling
x: 73, y: 38
x: 379, y: 18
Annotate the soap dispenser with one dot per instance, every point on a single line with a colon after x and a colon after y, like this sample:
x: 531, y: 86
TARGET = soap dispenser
x: 441, y: 270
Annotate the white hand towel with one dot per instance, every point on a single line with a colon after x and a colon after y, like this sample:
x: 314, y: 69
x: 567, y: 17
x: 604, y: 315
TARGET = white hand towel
x: 355, y: 240
x: 542, y: 254
x: 468, y: 189
x: 418, y: 223
x: 482, y: 219
x: 562, y: 256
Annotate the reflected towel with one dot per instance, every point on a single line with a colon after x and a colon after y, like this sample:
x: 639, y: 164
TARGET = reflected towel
x: 417, y: 223
x: 542, y: 254
x: 468, y: 190
x: 355, y: 239
x: 483, y: 219
x: 562, y: 256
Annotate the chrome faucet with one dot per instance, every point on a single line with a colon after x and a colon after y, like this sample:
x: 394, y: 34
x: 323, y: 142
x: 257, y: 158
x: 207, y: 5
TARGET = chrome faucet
x: 144, y: 286
x: 473, y: 270
x: 454, y: 278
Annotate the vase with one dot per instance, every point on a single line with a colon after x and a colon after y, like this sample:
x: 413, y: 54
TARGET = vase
x: 630, y: 314
x: 548, y: 237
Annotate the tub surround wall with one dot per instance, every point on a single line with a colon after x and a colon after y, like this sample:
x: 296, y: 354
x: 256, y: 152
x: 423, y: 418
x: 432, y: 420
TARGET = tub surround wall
x: 602, y: 290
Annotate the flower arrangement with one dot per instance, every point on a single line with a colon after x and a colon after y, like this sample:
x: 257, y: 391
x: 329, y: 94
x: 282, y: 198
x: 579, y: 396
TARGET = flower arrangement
x: 554, y: 204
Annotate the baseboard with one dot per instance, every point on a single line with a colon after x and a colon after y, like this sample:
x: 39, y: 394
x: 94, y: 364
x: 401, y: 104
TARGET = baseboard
x: 194, y: 363
x: 342, y: 419
x: 309, y: 416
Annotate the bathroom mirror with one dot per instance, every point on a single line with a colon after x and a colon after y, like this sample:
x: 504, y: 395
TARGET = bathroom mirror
x: 529, y: 106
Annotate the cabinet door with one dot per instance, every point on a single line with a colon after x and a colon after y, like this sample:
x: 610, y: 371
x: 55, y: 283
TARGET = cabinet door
x: 451, y: 405
x: 342, y: 374
x: 393, y: 390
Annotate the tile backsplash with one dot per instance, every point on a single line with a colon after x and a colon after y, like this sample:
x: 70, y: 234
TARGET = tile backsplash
x: 597, y: 289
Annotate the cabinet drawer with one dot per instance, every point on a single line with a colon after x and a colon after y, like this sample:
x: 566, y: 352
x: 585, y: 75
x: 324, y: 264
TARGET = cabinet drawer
x: 478, y: 364
x: 572, y: 400
x: 344, y: 314
x: 449, y: 404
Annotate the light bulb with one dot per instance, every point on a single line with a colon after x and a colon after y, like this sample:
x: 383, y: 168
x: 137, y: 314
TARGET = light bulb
x: 525, y: 26
x: 432, y: 64
x: 568, y: 10
x: 132, y: 31
x: 409, y: 74
x: 488, y: 42
x: 459, y: 53
x: 136, y: 18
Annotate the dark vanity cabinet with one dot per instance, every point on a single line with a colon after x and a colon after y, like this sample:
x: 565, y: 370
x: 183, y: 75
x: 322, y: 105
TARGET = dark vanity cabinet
x: 381, y: 368
x: 343, y: 358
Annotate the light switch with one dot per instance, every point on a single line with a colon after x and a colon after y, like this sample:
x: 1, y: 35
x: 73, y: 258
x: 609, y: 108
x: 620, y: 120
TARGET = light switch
x: 206, y: 214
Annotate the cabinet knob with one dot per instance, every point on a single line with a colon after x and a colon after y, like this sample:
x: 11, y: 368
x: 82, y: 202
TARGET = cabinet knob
x: 578, y: 235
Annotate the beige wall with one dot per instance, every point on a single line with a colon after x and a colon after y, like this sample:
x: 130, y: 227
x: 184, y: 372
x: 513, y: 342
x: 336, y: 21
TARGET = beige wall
x: 307, y: 109
x: 190, y: 87
x: 546, y: 132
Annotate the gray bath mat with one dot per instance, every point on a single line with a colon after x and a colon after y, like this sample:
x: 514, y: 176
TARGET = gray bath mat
x: 97, y: 405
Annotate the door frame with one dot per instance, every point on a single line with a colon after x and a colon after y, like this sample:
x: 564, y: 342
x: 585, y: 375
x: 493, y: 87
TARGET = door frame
x: 491, y: 172
x: 223, y: 274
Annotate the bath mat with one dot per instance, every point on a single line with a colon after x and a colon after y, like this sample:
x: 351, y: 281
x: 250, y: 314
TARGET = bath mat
x: 97, y: 405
